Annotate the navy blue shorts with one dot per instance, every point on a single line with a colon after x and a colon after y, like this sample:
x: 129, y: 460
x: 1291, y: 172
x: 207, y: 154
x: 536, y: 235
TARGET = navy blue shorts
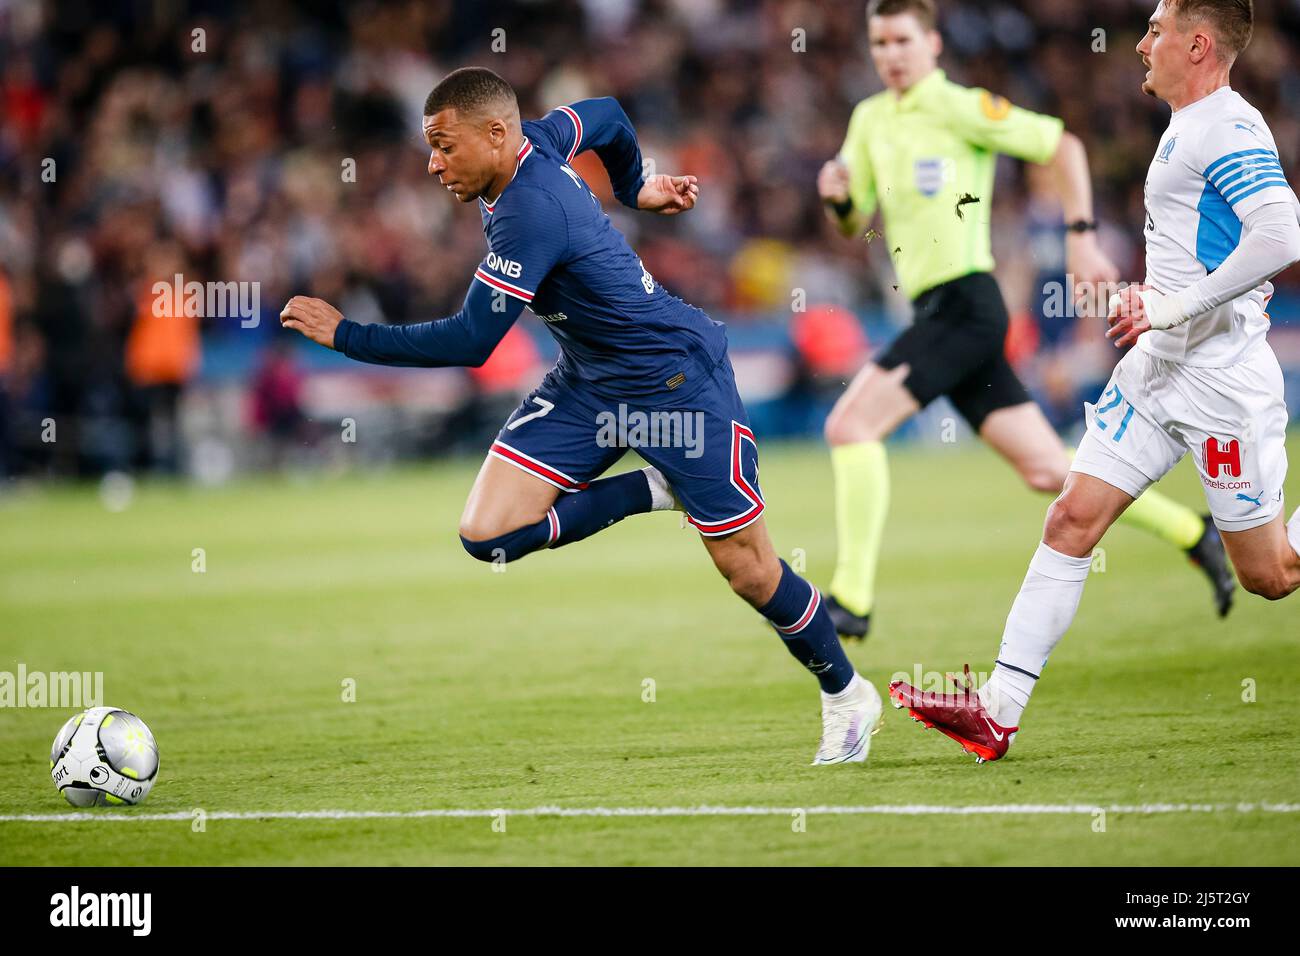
x: 567, y: 435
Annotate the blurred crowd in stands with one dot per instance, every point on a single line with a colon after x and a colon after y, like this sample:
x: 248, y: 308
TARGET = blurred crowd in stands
x: 279, y: 143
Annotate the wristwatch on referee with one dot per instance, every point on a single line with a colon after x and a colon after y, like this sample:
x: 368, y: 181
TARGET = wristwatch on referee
x: 1081, y: 225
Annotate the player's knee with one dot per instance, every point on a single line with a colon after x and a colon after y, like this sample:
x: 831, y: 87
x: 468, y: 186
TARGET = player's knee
x: 485, y: 549
x: 477, y: 530
x: 1068, y: 528
x: 486, y: 541
x: 849, y: 424
x: 842, y: 427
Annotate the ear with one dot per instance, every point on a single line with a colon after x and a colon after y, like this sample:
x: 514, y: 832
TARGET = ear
x: 1202, y: 46
x: 496, y: 131
x: 936, y: 43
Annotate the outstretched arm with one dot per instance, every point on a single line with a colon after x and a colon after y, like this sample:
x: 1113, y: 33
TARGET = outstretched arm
x: 464, y: 339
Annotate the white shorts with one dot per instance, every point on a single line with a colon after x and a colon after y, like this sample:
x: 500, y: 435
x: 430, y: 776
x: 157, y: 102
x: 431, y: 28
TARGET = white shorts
x: 1233, y: 420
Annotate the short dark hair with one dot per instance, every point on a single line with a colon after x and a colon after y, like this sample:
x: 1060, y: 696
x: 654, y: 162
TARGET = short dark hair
x: 471, y: 89
x: 1231, y: 20
x: 924, y: 10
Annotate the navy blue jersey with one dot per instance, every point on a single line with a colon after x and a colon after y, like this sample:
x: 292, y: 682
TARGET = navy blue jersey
x: 552, y: 248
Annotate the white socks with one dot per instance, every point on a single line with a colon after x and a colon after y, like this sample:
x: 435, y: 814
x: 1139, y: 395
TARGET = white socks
x: 1039, y: 618
x: 1005, y: 694
x: 852, y: 689
x: 661, y: 496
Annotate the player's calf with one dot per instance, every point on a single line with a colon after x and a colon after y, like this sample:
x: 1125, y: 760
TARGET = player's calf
x: 1267, y: 557
x: 791, y: 605
x: 1273, y: 588
x: 753, y: 577
x: 1273, y: 584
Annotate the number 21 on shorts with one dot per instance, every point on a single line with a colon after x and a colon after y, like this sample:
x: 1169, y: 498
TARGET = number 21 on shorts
x: 1116, y: 407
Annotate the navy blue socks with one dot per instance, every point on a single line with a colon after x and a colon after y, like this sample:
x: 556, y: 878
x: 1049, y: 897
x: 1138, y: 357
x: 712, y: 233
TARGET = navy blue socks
x: 573, y: 517
x: 797, y: 613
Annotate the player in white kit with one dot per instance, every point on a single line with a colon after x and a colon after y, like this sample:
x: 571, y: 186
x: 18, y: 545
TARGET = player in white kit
x: 1221, y: 221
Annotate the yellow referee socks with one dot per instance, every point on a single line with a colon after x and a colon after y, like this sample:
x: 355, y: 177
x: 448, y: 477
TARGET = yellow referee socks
x: 861, y: 501
x: 1165, y: 518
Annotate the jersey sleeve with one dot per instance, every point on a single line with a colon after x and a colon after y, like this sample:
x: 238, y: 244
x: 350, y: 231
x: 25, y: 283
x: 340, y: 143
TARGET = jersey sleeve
x: 527, y: 237
x: 854, y: 155
x: 466, y: 339
x: 990, y: 121
x: 1240, y: 163
x: 598, y: 124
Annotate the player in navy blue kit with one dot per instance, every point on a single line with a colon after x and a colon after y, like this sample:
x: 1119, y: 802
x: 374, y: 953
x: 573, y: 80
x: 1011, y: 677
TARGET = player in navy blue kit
x: 638, y: 367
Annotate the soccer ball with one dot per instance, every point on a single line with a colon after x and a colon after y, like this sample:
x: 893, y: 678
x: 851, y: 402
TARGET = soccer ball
x: 104, y: 755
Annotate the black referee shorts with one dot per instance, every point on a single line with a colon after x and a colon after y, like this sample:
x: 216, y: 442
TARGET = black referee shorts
x: 955, y: 348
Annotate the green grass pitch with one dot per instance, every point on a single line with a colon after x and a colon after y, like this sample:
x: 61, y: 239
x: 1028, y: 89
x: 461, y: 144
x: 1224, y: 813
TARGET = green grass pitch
x: 483, y: 690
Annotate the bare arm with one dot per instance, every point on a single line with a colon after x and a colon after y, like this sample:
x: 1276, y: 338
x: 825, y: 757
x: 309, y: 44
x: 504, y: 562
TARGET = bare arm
x: 1084, y: 261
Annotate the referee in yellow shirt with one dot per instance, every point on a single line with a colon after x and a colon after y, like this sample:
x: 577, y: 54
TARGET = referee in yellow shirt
x: 915, y: 151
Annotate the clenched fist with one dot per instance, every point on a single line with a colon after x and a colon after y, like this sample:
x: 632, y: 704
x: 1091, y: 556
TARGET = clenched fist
x: 314, y: 318
x: 1127, y: 315
x: 668, y: 195
x: 833, y: 182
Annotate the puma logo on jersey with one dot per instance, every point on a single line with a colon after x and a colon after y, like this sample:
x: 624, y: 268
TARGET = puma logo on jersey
x: 507, y: 267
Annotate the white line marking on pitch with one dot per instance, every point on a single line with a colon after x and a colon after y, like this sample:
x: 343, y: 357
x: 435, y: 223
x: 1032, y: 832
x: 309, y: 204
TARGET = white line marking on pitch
x: 906, y: 810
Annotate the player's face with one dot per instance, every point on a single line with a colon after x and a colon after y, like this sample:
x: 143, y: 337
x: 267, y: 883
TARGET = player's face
x: 1163, y: 52
x: 462, y: 154
x: 903, y: 50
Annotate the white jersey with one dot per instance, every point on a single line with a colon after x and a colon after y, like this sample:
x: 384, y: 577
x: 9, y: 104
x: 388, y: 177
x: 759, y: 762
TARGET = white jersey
x: 1216, y: 163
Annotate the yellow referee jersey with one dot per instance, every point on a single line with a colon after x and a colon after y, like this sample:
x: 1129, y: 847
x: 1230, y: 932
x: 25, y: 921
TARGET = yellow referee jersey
x: 923, y: 157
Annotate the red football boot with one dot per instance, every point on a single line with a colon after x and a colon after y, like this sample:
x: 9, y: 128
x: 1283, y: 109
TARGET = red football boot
x: 960, y: 716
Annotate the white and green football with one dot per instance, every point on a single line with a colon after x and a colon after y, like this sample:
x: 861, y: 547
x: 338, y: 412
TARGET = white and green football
x: 104, y: 755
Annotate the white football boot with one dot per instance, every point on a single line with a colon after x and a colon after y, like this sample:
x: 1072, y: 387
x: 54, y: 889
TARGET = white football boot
x: 849, y: 719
